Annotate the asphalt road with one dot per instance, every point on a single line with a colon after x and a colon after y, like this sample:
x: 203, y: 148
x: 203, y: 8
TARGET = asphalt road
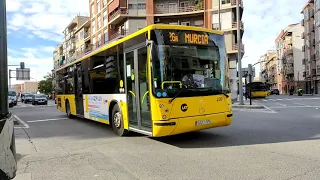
x: 281, y: 142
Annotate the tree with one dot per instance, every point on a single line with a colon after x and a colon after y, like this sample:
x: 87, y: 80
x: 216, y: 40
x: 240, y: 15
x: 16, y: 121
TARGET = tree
x: 45, y: 86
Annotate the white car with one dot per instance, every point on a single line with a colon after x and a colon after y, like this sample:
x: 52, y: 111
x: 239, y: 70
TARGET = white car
x: 11, y: 102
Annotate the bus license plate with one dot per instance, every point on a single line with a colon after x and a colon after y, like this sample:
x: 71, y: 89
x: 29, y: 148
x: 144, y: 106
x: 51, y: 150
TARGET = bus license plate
x: 202, y: 122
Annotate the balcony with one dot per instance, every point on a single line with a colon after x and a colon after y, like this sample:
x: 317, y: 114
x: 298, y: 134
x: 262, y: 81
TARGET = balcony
x: 302, y: 22
x: 234, y: 3
x: 311, y: 27
x: 118, y: 35
x: 162, y: 11
x: 290, y: 51
x: 289, y: 70
x: 303, y: 48
x: 235, y: 47
x: 87, y: 35
x: 311, y: 13
x: 234, y: 25
x: 117, y: 16
x: 302, y: 35
x: 313, y: 57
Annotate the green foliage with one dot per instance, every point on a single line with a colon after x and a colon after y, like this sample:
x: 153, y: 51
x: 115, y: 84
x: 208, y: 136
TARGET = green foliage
x: 45, y: 86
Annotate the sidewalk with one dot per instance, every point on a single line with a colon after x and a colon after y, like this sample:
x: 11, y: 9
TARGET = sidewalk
x: 255, y: 105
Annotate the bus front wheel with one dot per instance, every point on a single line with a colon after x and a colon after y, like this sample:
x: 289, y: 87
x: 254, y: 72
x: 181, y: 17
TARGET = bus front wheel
x: 117, y: 121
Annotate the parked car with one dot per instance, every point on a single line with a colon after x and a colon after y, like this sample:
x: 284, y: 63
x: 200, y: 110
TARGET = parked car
x: 275, y: 91
x: 39, y: 99
x: 8, y: 165
x: 10, y: 102
x: 13, y: 95
x: 27, y: 98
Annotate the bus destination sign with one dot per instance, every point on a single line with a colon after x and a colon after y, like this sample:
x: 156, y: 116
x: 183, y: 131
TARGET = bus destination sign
x: 188, y: 38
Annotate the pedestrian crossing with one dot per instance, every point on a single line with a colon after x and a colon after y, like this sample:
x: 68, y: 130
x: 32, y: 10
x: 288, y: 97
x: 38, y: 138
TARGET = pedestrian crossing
x: 285, y: 99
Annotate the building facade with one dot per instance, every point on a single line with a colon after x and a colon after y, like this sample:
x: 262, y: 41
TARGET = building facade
x: 113, y: 19
x: 290, y: 55
x: 309, y: 48
x: 268, y: 68
x: 317, y: 41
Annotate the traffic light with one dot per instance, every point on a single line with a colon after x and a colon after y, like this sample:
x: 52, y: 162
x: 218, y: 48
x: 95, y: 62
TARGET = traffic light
x: 21, y: 65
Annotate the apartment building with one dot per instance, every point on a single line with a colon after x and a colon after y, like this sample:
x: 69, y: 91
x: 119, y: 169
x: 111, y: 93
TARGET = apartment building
x: 69, y: 44
x: 317, y: 41
x: 268, y: 68
x: 114, y: 19
x: 290, y: 53
x: 309, y: 47
x: 82, y: 40
x: 57, y: 56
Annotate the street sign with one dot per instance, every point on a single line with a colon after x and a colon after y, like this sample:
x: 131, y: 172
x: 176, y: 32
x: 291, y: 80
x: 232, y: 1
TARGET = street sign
x: 22, y: 74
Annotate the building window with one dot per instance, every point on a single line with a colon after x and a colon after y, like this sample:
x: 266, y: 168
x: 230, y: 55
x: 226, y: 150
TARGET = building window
x: 81, y: 34
x: 185, y: 23
x: 93, y: 27
x: 104, y: 3
x: 225, y: 1
x: 142, y: 6
x: 105, y: 18
x: 106, y: 39
x: 173, y: 8
x: 99, y: 39
x: 98, y: 6
x: 92, y: 10
x: 198, y: 23
x: 99, y: 22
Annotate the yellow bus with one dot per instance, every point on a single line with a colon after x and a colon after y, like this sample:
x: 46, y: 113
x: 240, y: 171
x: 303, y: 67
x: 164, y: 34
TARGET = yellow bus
x: 159, y: 81
x: 258, y: 89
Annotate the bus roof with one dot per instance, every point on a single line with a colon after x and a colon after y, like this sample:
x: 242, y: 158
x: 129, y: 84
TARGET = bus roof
x: 141, y: 31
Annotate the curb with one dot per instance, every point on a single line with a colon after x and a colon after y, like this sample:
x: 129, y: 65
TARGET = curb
x: 248, y: 106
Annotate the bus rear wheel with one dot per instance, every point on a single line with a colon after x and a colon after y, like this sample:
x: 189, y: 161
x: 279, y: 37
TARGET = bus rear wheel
x: 68, y: 111
x: 117, y: 122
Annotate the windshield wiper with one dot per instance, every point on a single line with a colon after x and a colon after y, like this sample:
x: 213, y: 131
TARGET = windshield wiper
x: 178, y: 93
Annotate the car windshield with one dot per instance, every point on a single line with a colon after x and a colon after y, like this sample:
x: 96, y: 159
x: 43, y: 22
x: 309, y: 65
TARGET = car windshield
x: 39, y: 96
x: 198, y: 68
x: 12, y: 93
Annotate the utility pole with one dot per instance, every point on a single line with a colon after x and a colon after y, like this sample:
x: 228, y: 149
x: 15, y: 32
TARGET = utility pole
x: 250, y: 80
x: 219, y: 14
x: 4, y: 109
x: 239, y: 55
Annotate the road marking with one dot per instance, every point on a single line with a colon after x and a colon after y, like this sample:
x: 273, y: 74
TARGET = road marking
x: 22, y: 122
x: 269, y: 109
x: 44, y: 120
x: 282, y: 107
x: 281, y: 104
x: 302, y: 104
x: 316, y: 136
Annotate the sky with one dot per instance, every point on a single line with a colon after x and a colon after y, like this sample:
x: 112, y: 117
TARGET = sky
x: 35, y: 28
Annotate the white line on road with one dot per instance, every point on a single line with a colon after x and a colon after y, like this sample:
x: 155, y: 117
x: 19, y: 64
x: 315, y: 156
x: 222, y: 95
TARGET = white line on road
x: 270, y: 109
x: 302, y: 104
x: 281, y: 104
x: 22, y: 122
x: 279, y: 107
x: 44, y: 120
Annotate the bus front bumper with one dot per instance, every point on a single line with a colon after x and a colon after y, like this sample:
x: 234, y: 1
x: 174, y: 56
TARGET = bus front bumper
x: 189, y: 124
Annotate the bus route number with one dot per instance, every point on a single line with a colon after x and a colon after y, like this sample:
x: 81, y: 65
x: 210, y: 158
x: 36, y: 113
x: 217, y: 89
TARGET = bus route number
x: 173, y: 37
x: 219, y: 98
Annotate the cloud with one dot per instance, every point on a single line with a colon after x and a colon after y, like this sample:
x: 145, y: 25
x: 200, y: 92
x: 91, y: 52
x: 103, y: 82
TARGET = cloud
x: 263, y: 21
x: 44, y: 19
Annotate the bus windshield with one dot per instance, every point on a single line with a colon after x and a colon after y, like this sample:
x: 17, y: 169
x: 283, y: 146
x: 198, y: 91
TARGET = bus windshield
x: 189, y: 60
x: 258, y: 86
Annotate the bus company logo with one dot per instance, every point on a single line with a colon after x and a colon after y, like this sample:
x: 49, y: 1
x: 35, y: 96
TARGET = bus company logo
x: 184, y: 107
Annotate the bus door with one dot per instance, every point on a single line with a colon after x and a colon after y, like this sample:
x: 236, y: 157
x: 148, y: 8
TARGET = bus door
x: 78, y: 90
x: 137, y: 89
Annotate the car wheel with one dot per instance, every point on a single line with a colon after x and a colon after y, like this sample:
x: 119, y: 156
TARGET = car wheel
x: 68, y: 111
x: 117, y: 122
